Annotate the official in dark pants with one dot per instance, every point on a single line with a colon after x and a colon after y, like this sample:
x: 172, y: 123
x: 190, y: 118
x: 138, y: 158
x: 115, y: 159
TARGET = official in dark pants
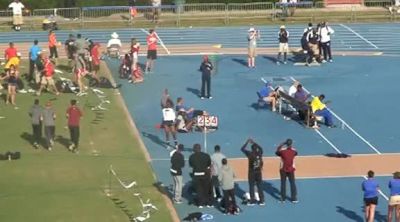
x: 255, y: 170
x: 74, y: 115
x: 287, y: 154
x: 325, y: 33
x: 201, y: 165
x: 206, y: 67
x: 35, y: 113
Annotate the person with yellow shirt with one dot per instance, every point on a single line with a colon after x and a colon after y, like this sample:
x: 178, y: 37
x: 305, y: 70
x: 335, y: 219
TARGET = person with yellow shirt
x: 319, y: 109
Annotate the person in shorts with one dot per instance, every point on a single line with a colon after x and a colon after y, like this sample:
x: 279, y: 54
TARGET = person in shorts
x: 17, y: 8
x: 48, y: 73
x: 168, y: 122
x: 370, y: 188
x: 80, y: 73
x: 152, y: 41
x: 394, y: 201
x: 283, y: 37
x: 252, y: 37
x: 12, y: 77
x: 156, y: 10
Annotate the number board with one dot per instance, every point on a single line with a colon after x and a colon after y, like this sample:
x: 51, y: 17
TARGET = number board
x: 207, y: 121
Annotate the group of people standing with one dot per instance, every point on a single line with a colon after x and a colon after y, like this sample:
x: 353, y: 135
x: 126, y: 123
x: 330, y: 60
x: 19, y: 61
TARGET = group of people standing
x: 212, y: 173
x: 315, y: 42
x: 47, y: 117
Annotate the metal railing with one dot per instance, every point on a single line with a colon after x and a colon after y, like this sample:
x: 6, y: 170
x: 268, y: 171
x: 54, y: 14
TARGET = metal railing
x: 204, y: 14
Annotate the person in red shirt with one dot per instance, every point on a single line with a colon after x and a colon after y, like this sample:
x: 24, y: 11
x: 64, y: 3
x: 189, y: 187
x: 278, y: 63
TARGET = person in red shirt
x: 74, y: 114
x: 287, y: 153
x: 152, y: 41
x: 10, y: 52
x: 53, y: 45
x: 137, y: 75
x: 48, y: 73
x: 95, y: 54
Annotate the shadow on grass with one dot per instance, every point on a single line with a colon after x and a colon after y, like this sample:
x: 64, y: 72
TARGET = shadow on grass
x: 121, y: 205
x: 63, y: 141
x: 349, y: 214
x: 27, y: 137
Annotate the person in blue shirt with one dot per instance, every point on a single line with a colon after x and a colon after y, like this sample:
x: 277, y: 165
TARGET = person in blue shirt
x: 268, y: 95
x: 394, y: 201
x: 370, y: 187
x: 33, y: 56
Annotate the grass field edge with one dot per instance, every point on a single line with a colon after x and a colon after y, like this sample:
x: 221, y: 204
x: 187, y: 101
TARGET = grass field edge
x: 135, y: 132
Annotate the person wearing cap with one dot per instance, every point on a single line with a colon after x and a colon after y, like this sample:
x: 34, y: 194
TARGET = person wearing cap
x: 200, y: 162
x: 394, y: 201
x: 151, y: 40
x: 255, y: 168
x: 48, y: 118
x: 114, y: 44
x: 287, y: 153
x: 206, y: 67
x: 74, y: 114
x: 268, y: 95
x: 17, y: 8
x: 252, y: 37
x: 319, y: 109
x: 177, y: 163
x: 283, y: 37
x: 325, y: 33
x: 370, y: 187
x: 53, y: 46
x: 34, y: 52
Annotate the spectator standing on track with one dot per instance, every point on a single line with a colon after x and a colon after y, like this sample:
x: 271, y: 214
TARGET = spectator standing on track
x: 320, y: 109
x: 74, y: 114
x: 283, y: 37
x: 200, y: 162
x: 177, y: 163
x: 206, y: 67
x: 34, y: 52
x: 53, y: 46
x: 226, y: 178
x: 35, y: 113
x: 252, y: 37
x: 216, y: 160
x: 17, y: 8
x: 394, y: 201
x: 370, y: 188
x: 325, y: 32
x: 152, y: 40
x: 287, y: 153
x: 254, y: 171
x: 48, y: 117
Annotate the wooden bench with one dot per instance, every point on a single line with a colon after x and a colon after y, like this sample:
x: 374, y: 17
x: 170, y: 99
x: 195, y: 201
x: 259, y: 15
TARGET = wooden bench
x: 296, y: 105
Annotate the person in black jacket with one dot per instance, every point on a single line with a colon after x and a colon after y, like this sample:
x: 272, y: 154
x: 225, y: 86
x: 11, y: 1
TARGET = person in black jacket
x: 206, y: 67
x: 255, y: 171
x: 201, y: 165
x: 177, y: 163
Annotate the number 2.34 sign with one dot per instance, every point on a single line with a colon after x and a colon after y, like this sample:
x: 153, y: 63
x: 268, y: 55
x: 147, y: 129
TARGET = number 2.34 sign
x: 207, y: 121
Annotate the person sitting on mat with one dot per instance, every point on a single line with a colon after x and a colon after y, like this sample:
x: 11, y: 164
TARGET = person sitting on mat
x: 268, y: 95
x: 319, y: 109
x: 191, y: 112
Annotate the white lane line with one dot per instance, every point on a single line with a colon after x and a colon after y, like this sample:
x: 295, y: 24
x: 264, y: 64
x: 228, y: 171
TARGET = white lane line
x: 316, y: 130
x: 359, y: 36
x: 347, y: 125
x: 379, y: 191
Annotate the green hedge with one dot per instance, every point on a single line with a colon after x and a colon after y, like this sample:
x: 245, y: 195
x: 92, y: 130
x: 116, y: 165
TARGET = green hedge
x: 32, y: 4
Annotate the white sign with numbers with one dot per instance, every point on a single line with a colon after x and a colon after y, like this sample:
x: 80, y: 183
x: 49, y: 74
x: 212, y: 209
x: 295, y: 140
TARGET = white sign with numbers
x: 207, y: 121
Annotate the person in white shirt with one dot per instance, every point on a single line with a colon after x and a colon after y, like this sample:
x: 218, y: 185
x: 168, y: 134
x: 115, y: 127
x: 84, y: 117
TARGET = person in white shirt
x: 325, y: 32
x: 252, y: 37
x: 114, y: 44
x: 293, y: 88
x: 169, y: 120
x: 156, y: 9
x: 17, y: 7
